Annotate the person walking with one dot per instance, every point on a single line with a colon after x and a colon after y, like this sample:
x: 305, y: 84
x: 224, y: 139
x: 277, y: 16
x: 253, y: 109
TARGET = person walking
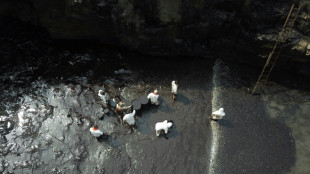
x: 104, y: 96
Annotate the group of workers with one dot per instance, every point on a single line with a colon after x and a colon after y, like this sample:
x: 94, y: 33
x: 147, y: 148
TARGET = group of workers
x: 153, y: 99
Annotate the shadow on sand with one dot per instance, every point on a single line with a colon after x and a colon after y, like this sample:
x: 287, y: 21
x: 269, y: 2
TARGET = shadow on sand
x: 226, y: 123
x: 183, y: 99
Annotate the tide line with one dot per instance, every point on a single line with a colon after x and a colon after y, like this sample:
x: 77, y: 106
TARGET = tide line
x: 214, y: 125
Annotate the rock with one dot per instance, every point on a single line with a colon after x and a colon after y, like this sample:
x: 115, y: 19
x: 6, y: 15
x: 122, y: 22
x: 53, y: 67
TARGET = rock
x: 302, y: 45
x: 113, y: 102
x: 171, y: 29
x: 6, y: 125
x: 106, y: 111
x: 100, y: 116
x: 3, y: 139
x: 1, y: 167
x: 308, y: 50
x: 122, y: 71
x: 143, y: 99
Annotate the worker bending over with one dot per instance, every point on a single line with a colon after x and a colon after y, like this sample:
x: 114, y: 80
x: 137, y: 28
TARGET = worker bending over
x: 162, y: 126
x: 129, y: 118
x: 97, y: 133
x: 120, y: 107
x: 217, y: 115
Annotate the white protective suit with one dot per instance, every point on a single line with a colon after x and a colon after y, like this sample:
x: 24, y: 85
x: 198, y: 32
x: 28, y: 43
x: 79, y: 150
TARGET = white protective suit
x: 104, y: 97
x: 153, y: 97
x: 174, y: 87
x: 96, y: 133
x: 129, y: 118
x: 219, y: 114
x: 165, y: 125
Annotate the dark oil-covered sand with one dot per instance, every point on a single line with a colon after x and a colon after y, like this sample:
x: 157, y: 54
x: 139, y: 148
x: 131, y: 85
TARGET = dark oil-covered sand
x: 53, y: 103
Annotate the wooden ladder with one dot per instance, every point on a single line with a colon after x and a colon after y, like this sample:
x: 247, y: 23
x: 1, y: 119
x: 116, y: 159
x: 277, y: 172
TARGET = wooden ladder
x: 281, y: 39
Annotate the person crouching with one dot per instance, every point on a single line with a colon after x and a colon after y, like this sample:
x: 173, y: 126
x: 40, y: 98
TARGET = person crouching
x: 217, y: 115
x: 97, y: 133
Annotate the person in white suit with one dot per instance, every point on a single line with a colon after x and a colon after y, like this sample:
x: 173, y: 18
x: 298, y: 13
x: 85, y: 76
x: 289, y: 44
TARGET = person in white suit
x: 174, y: 89
x: 104, y: 96
x: 217, y: 115
x: 153, y: 97
x: 165, y: 126
x: 129, y: 118
x: 96, y: 132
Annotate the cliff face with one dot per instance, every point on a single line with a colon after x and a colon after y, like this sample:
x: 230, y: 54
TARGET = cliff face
x: 242, y: 30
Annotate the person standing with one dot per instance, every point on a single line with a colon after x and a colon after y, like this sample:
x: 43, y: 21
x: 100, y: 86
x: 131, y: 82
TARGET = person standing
x: 153, y: 97
x: 174, y: 89
x: 104, y: 96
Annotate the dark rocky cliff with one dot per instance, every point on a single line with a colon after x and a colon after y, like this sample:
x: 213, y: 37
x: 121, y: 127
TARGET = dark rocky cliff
x: 242, y: 30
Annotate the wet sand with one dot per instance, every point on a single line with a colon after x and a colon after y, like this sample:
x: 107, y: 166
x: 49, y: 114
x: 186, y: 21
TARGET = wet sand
x: 292, y: 107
